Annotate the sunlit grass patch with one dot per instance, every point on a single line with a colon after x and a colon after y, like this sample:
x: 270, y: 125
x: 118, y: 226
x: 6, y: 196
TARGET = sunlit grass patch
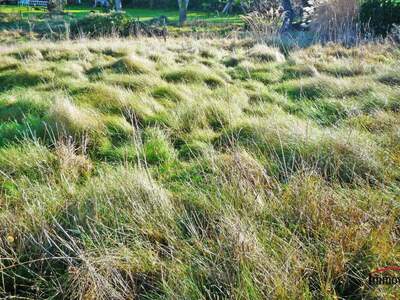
x: 22, y: 104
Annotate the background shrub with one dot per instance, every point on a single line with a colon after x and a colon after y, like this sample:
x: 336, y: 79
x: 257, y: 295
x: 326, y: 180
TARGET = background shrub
x: 380, y: 15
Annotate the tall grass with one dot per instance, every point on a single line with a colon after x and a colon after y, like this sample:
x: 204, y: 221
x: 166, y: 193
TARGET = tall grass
x: 337, y: 20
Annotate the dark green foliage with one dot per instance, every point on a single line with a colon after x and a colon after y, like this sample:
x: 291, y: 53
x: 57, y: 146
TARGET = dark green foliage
x: 113, y: 24
x: 102, y: 25
x: 380, y: 15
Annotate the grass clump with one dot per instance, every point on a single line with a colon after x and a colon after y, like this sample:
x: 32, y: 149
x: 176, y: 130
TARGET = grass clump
x: 66, y: 117
x: 264, y: 53
x: 132, y: 64
x: 345, y: 69
x: 132, y: 82
x: 61, y: 54
x: 168, y: 92
x: 194, y: 75
x: 22, y: 78
x: 113, y: 152
x: 108, y: 99
x: 23, y: 105
x: 156, y: 148
x: 321, y: 86
x: 299, y: 71
x: 295, y: 146
x: 193, y: 149
x: 28, y: 159
x: 28, y: 54
x: 7, y: 63
x: 391, y: 78
x: 118, y: 128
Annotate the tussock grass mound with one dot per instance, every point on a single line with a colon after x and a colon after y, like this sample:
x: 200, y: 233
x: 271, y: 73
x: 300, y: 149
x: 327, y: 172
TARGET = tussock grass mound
x: 22, y: 78
x: 7, y: 63
x: 390, y: 78
x: 104, y: 97
x: 296, y: 146
x: 266, y: 54
x: 63, y: 54
x: 168, y: 92
x: 64, y: 115
x: 28, y: 54
x: 137, y: 83
x: 131, y: 64
x: 194, y: 75
x: 31, y: 160
x: 321, y: 86
x: 345, y: 68
x: 299, y: 71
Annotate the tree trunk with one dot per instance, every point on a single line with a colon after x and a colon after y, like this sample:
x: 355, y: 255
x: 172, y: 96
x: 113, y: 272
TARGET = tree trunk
x: 118, y: 5
x: 183, y: 6
x: 288, y: 15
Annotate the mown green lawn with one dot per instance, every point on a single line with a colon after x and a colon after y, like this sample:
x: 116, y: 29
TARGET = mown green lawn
x: 143, y: 14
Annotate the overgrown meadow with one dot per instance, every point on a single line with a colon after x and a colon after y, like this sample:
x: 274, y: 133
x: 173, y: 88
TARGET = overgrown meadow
x: 197, y: 169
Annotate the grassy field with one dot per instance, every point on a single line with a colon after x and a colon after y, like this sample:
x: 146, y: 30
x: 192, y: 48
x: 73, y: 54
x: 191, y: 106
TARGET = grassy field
x: 197, y: 169
x: 142, y: 14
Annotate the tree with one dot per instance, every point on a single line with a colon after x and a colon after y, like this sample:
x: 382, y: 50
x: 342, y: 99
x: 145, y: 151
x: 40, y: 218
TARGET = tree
x: 183, y: 6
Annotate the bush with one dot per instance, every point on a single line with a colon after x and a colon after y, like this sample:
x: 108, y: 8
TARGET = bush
x: 96, y: 25
x: 113, y: 24
x: 380, y: 15
x: 56, y: 6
